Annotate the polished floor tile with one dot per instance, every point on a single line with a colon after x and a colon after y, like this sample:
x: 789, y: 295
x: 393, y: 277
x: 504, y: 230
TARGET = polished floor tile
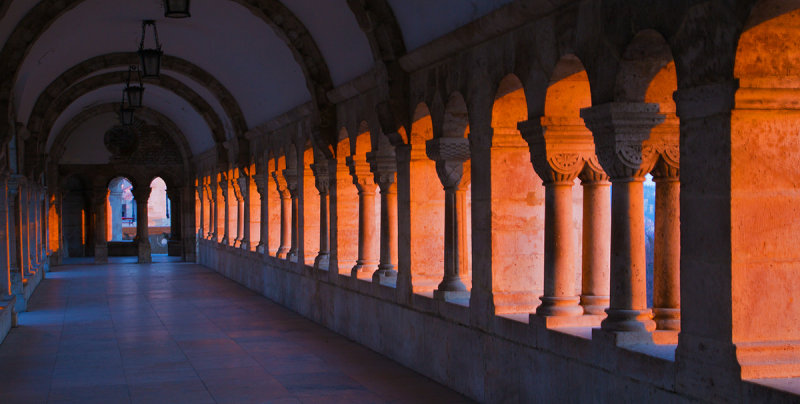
x: 180, y: 333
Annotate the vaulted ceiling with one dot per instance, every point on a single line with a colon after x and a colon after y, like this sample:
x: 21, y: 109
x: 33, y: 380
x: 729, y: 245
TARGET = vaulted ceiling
x: 243, y: 62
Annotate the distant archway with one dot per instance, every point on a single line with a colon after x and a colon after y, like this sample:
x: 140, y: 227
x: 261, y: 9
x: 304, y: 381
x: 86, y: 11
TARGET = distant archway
x: 158, y: 216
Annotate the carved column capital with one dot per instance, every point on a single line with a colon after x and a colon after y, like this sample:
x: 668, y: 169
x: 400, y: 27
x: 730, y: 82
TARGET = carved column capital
x: 290, y: 175
x: 261, y: 183
x: 384, y: 168
x: 593, y: 172
x: 360, y: 171
x: 321, y: 177
x: 242, y: 187
x: 450, y: 155
x: 141, y: 194
x: 559, y: 147
x: 620, y: 133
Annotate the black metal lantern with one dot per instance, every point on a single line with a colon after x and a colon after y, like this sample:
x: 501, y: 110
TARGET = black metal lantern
x: 126, y: 115
x: 134, y: 93
x: 151, y: 57
x: 176, y: 8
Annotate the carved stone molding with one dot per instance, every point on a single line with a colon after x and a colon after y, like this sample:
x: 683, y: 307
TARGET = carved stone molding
x: 321, y: 177
x: 620, y: 133
x: 384, y: 168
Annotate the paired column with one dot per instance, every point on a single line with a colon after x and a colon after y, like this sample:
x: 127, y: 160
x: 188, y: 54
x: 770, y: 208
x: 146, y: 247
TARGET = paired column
x: 384, y: 167
x: 243, y: 196
x: 367, y: 262
x: 261, y: 188
x: 290, y: 175
x: 322, y: 183
x: 99, y: 197
x: 450, y: 155
x: 211, y: 189
x: 620, y: 131
x: 222, y: 202
x: 667, y: 242
x: 201, y: 200
x: 142, y: 195
x: 558, y: 154
x: 596, y: 232
x: 286, y: 214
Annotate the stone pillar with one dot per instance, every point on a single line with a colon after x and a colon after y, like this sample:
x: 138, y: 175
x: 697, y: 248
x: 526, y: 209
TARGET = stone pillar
x: 286, y: 214
x: 17, y: 270
x: 596, y: 256
x: 290, y: 175
x: 99, y: 198
x: 667, y: 248
x: 201, y: 220
x: 620, y: 133
x: 223, y: 203
x: 322, y: 182
x: 142, y: 195
x: 450, y: 155
x: 211, y: 189
x: 175, y: 244
x: 24, y: 242
x: 33, y: 226
x: 367, y: 262
x: 261, y: 188
x: 558, y: 153
x: 239, y: 198
x: 243, y: 183
x: 384, y: 168
x: 115, y: 200
x: 6, y: 290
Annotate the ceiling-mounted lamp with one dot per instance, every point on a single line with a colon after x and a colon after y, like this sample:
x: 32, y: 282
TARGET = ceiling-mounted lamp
x: 151, y: 57
x: 134, y: 93
x: 176, y: 8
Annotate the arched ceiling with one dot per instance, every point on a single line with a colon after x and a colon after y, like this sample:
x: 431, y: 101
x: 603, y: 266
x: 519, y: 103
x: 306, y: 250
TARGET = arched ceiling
x: 252, y: 49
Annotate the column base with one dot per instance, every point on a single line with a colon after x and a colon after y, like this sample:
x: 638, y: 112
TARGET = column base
x: 559, y: 306
x: 667, y: 319
x: 363, y: 267
x: 451, y: 295
x: 594, y: 305
x: 586, y: 320
x: 515, y: 302
x: 292, y: 255
x: 384, y: 272
x: 282, y: 253
x: 621, y: 338
x: 451, y: 284
x: 322, y: 261
x: 244, y: 245
x: 629, y: 320
x: 261, y: 248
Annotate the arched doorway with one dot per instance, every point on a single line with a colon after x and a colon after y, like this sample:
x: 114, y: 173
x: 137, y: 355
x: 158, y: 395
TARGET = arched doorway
x: 159, y: 212
x: 121, y: 218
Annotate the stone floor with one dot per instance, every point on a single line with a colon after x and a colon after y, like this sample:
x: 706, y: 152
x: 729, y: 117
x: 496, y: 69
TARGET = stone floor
x: 174, y: 332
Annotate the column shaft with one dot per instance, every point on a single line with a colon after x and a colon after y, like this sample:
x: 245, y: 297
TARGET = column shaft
x: 666, y: 271
x: 388, y: 247
x: 286, y: 223
x: 367, y: 247
x: 596, y: 246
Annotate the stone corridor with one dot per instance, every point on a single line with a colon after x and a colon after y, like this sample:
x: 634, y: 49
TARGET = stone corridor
x: 175, y: 332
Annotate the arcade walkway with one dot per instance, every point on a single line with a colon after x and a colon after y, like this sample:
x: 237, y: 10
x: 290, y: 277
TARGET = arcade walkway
x: 175, y: 333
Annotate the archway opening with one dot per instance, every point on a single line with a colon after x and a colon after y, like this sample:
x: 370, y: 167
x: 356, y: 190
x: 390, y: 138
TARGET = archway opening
x: 159, y: 215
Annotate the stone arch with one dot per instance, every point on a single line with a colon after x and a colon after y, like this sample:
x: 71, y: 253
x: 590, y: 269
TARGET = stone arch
x: 647, y: 55
x: 177, y: 136
x: 455, y: 122
x: 517, y: 206
x: 43, y: 124
x: 284, y: 23
x: 123, y: 59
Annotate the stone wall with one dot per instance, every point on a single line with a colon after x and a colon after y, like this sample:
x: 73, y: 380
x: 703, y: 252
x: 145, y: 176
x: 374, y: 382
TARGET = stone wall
x: 510, y: 361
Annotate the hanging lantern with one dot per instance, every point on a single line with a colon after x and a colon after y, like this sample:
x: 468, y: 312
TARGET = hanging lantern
x: 151, y: 57
x: 134, y: 93
x: 176, y: 8
x: 126, y: 115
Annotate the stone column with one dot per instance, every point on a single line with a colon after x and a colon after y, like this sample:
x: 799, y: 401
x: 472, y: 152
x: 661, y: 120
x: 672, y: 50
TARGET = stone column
x: 17, y: 270
x: 142, y: 195
x: 99, y: 197
x: 384, y: 168
x: 286, y: 214
x: 620, y: 133
x: 290, y: 175
x: 33, y: 228
x: 223, y: 203
x: 322, y: 182
x: 367, y: 262
x: 174, y: 244
x: 239, y: 198
x: 596, y: 256
x: 450, y: 155
x: 115, y: 200
x: 667, y: 243
x: 243, y: 183
x: 201, y: 220
x: 24, y: 243
x: 558, y: 153
x: 211, y: 189
x: 261, y: 188
x: 6, y: 290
